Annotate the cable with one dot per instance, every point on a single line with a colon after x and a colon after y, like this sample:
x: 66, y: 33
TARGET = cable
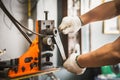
x: 12, y: 19
x: 30, y: 30
x: 17, y: 24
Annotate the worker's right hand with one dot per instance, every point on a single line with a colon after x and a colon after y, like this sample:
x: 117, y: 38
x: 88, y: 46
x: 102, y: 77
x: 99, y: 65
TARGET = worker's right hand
x: 70, y: 24
x: 71, y: 64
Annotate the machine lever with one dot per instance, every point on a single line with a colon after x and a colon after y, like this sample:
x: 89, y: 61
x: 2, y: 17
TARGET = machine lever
x: 59, y: 43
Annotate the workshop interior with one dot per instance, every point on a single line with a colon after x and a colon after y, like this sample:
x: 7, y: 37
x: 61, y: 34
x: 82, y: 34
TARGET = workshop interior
x: 33, y: 48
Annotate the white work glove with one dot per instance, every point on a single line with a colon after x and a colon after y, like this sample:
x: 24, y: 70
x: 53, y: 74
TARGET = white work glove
x: 70, y: 24
x: 72, y: 65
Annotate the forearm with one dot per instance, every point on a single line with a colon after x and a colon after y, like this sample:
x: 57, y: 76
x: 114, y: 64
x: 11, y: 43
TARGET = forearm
x: 105, y: 11
x: 108, y: 54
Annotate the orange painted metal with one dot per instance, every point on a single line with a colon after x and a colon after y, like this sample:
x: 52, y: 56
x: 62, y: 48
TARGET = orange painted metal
x: 32, y: 52
x: 23, y: 67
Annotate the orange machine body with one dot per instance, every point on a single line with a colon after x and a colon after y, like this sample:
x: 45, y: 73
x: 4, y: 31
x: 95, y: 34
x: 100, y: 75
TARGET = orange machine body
x: 38, y: 59
x: 33, y: 60
x: 32, y: 65
x: 24, y: 67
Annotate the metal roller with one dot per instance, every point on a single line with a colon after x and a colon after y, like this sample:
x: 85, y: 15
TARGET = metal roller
x: 47, y: 40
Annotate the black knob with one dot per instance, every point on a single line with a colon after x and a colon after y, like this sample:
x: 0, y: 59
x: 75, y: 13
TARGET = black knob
x: 46, y: 15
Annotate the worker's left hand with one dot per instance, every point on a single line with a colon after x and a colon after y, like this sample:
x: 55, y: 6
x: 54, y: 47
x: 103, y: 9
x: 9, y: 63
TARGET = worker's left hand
x: 71, y: 65
x: 70, y: 24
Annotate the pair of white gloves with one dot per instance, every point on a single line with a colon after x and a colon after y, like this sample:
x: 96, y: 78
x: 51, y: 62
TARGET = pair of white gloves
x: 72, y: 25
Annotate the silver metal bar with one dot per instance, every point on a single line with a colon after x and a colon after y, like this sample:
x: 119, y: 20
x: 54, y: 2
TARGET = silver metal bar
x: 59, y: 43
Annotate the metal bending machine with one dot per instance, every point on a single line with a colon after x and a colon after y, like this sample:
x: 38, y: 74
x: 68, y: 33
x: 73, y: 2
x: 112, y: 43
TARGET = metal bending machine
x: 37, y: 59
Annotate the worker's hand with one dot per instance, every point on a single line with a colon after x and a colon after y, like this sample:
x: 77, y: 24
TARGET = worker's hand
x: 71, y: 65
x: 70, y: 24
